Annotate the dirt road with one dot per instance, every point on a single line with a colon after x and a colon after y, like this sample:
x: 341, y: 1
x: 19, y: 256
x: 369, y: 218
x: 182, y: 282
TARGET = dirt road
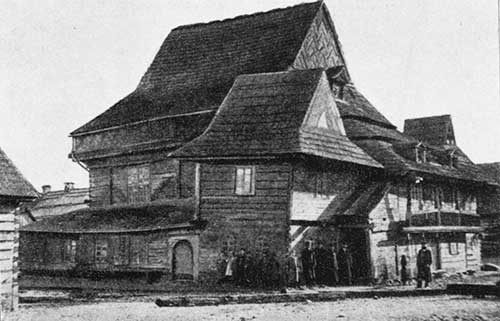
x: 409, y: 309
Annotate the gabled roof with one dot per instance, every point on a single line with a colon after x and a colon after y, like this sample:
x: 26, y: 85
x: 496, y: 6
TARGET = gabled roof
x: 117, y: 219
x: 59, y: 202
x: 12, y: 182
x: 197, y: 64
x: 434, y: 130
x: 265, y: 115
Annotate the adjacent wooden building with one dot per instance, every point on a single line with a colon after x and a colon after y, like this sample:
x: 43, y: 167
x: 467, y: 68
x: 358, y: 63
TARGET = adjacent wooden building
x: 249, y: 133
x: 14, y: 189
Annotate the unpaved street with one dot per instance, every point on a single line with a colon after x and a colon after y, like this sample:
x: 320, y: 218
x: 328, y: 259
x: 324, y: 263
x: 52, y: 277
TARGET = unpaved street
x: 421, y: 308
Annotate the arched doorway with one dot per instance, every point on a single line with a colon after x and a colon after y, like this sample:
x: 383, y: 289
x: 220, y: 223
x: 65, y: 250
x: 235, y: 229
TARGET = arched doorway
x: 182, y: 260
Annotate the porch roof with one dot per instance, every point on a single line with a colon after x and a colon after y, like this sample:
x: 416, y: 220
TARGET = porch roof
x: 118, y: 219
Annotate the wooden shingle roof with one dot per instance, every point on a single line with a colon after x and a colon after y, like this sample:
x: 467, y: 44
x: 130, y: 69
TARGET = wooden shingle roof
x: 197, y: 64
x: 116, y: 219
x: 358, y: 107
x: 12, y: 182
x: 492, y: 170
x: 434, y: 130
x: 394, y: 163
x: 263, y: 115
x: 59, y: 202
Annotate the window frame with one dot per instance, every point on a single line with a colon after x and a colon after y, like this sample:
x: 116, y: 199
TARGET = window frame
x: 453, y: 248
x: 242, y: 191
x: 138, y: 190
x: 100, y: 244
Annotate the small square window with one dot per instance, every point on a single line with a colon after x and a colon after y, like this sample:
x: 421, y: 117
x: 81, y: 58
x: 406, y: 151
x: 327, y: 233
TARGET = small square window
x: 245, y: 180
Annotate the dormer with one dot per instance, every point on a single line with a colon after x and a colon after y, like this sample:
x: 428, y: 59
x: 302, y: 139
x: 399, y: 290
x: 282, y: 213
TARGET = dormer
x: 337, y: 78
x: 420, y: 153
x: 435, y: 130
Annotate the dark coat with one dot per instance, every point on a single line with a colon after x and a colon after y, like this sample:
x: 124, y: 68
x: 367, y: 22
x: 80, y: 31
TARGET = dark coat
x: 345, y: 266
x: 424, y: 257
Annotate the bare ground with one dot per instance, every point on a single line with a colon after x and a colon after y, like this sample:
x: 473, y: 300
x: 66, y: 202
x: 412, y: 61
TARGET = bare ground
x: 409, y: 309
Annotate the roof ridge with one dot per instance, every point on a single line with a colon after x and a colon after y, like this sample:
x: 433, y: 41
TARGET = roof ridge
x: 245, y: 16
x: 429, y: 117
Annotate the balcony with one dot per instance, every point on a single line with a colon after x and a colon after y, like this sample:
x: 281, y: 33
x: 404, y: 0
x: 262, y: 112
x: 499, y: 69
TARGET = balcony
x: 436, y: 222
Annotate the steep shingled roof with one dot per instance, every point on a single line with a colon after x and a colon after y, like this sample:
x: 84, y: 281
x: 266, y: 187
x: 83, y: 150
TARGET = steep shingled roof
x: 356, y: 106
x: 433, y: 130
x: 264, y: 114
x: 197, y: 64
x: 12, y: 182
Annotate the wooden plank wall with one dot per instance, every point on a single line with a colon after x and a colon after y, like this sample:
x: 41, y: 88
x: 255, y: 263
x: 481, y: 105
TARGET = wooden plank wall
x: 124, y: 251
x: 9, y: 249
x: 247, y: 219
x: 169, y: 179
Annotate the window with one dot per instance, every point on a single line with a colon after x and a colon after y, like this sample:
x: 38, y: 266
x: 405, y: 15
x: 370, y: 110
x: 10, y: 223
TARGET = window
x: 417, y: 195
x: 438, y: 197
x: 245, y: 180
x: 421, y: 154
x: 453, y: 248
x: 101, y: 250
x: 70, y: 251
x: 321, y: 184
x: 121, y: 251
x: 138, y: 184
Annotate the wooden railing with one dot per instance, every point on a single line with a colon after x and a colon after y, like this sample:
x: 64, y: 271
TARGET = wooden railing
x: 443, y: 219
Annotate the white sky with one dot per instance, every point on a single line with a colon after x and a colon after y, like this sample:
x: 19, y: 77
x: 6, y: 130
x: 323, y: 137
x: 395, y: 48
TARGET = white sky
x: 64, y: 62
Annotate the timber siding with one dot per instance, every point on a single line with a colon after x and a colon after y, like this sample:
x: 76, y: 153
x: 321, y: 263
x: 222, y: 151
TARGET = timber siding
x: 248, y: 218
x: 396, y: 209
x: 168, y: 179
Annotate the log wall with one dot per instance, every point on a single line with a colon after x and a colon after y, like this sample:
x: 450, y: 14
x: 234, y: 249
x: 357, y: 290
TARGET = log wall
x: 167, y: 179
x: 235, y: 221
x: 9, y: 250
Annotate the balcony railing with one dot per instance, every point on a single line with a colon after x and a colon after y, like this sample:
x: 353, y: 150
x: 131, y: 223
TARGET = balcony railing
x: 443, y: 219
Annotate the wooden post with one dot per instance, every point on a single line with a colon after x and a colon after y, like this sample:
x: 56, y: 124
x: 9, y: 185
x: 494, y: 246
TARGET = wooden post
x: 197, y: 191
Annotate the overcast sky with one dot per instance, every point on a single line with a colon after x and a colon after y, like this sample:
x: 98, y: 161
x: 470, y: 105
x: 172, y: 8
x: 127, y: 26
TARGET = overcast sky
x: 65, y: 62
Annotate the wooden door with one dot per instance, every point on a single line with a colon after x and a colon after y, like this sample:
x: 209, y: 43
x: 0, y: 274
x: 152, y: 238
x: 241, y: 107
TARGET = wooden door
x: 182, y: 260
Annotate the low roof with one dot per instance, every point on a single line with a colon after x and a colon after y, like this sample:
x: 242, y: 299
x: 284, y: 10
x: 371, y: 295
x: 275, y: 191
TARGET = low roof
x: 197, y: 64
x: 12, y: 182
x: 59, y: 202
x: 492, y: 170
x: 117, y: 219
x: 394, y: 163
x: 263, y: 115
x: 433, y: 130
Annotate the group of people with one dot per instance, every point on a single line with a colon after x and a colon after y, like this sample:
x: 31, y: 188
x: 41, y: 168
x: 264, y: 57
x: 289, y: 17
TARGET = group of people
x: 324, y: 266
x: 316, y: 265
x: 245, y: 270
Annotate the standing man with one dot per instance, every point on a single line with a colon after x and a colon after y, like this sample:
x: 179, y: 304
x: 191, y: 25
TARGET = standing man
x: 307, y: 257
x: 321, y: 256
x: 345, y: 265
x: 332, y: 267
x: 404, y: 272
x: 241, y: 276
x: 424, y: 261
